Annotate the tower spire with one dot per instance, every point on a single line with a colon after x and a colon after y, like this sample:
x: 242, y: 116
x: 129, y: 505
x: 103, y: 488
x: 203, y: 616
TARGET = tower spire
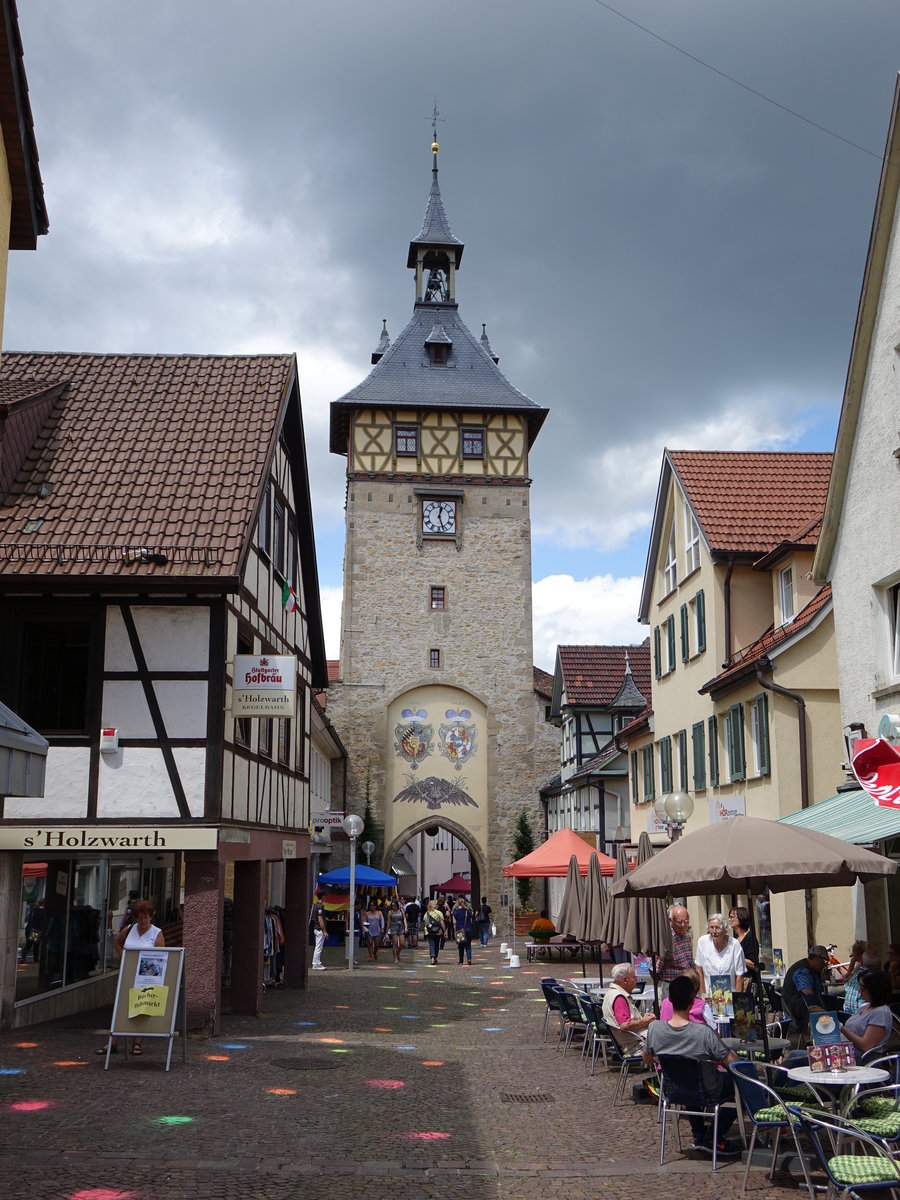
x: 435, y: 254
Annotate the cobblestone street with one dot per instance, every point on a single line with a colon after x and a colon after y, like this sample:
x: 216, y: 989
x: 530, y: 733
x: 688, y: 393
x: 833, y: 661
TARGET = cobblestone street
x: 411, y: 1081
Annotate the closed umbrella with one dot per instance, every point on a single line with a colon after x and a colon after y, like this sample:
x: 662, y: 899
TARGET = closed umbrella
x: 570, y: 910
x: 647, y: 929
x: 612, y: 930
x: 593, y: 910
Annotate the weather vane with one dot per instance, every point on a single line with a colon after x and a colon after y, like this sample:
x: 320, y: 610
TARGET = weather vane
x: 434, y: 118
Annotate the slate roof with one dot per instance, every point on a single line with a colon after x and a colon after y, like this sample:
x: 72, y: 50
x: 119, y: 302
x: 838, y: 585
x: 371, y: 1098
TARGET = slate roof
x: 592, y: 676
x: 750, y: 501
x: 435, y: 229
x: 164, y: 452
x: 746, y: 660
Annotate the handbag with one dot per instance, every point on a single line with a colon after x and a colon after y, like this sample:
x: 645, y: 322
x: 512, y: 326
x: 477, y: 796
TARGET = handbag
x: 460, y: 936
x: 493, y: 930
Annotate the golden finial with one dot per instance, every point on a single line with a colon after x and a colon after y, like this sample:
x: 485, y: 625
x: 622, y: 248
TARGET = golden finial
x: 434, y: 147
x: 435, y: 117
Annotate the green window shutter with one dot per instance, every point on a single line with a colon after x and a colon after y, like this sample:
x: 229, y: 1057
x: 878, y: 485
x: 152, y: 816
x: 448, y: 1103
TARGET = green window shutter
x: 647, y: 763
x: 685, y: 634
x: 665, y: 765
x: 737, y: 767
x: 762, y: 728
x: 682, y: 760
x: 670, y: 643
x: 657, y: 652
x: 713, y: 726
x: 700, y: 603
x: 697, y: 735
x: 634, y: 777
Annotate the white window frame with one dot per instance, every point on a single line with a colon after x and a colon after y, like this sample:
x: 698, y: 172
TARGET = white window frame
x: 691, y: 541
x: 786, y: 594
x: 670, y: 570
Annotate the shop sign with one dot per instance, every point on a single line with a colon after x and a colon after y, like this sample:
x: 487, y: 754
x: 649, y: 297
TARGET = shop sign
x: 100, y: 838
x: 725, y: 809
x: 264, y: 685
x: 288, y: 849
x: 326, y: 819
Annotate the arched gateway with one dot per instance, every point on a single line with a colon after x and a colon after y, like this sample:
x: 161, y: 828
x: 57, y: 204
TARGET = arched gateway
x: 435, y: 700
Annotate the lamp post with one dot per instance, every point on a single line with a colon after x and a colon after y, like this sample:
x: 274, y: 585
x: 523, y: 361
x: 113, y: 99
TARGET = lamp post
x: 675, y: 809
x: 353, y: 827
x: 368, y: 849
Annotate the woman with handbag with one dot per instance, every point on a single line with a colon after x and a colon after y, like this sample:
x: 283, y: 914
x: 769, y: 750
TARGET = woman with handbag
x: 463, y: 924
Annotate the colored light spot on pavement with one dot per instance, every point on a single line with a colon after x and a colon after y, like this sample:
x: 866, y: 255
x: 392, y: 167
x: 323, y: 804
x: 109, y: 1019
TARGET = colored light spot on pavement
x: 387, y: 1084
x: 218, y: 1058
x: 345, y: 1050
x: 406, y: 1047
x: 388, y: 987
x: 391, y: 1007
x: 306, y: 1024
x: 31, y: 1105
x: 445, y: 1025
x: 69, y: 1062
x: 174, y: 1120
x: 383, y: 1029
x: 12, y: 1070
x: 430, y: 1135
x: 342, y: 1006
x: 439, y: 1007
x: 411, y: 1017
x: 472, y: 1004
x: 431, y: 1062
x: 493, y: 1029
x: 101, y: 1193
x: 25, y: 1045
x: 281, y: 1091
x: 233, y: 1046
x: 328, y: 1041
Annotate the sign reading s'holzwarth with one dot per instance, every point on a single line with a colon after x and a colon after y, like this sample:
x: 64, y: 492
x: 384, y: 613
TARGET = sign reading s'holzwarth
x: 265, y: 685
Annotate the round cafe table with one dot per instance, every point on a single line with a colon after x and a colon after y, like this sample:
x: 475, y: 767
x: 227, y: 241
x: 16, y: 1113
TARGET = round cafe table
x: 846, y: 1079
x: 776, y: 1046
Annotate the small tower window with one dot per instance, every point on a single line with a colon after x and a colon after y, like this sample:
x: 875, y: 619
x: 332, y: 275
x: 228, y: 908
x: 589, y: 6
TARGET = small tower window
x: 406, y: 440
x: 473, y: 443
x: 438, y: 358
x: 438, y: 597
x: 434, y: 658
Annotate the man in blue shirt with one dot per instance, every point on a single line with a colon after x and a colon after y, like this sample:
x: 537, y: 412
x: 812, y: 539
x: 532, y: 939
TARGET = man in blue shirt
x: 804, y: 987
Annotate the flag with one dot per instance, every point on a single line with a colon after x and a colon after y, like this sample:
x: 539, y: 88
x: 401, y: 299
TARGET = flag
x: 288, y: 599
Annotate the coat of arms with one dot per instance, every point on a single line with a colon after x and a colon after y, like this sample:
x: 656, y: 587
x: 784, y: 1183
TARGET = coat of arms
x: 413, y: 738
x: 457, y: 738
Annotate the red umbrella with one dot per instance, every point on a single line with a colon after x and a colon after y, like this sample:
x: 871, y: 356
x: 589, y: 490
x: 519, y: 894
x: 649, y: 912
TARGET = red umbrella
x: 454, y: 884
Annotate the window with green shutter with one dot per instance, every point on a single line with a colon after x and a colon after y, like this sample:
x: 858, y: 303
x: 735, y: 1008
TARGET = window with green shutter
x: 665, y: 765
x: 712, y: 726
x: 734, y: 742
x: 759, y: 732
x: 647, y: 768
x: 700, y: 621
x: 698, y: 737
x: 682, y: 760
x: 670, y: 643
x: 635, y: 794
x: 657, y: 652
x: 685, y: 634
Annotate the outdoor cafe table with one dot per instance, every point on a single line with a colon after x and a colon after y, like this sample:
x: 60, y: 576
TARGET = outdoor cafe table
x: 776, y: 1046
x: 846, y: 1080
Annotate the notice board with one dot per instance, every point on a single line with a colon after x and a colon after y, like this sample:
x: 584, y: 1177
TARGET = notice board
x: 149, y: 994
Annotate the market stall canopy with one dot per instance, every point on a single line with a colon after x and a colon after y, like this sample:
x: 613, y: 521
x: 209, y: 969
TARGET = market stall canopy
x: 551, y: 858
x: 23, y: 756
x: 747, y: 854
x: 455, y: 884
x: 365, y: 877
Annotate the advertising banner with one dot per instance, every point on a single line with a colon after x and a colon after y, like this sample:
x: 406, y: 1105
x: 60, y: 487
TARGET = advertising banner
x: 265, y: 685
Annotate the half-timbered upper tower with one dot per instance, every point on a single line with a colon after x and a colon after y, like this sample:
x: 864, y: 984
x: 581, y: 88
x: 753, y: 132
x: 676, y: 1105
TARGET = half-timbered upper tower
x: 435, y: 695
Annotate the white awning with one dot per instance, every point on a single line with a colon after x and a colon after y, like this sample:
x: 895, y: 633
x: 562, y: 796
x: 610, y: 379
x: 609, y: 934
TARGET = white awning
x: 23, y: 756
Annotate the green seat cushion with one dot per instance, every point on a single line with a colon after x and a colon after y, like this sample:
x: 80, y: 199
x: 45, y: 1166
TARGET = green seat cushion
x: 876, y: 1106
x: 774, y: 1113
x: 859, y: 1168
x: 886, y: 1126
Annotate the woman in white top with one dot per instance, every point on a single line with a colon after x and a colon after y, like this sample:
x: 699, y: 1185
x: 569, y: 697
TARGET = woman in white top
x: 141, y: 932
x: 718, y: 953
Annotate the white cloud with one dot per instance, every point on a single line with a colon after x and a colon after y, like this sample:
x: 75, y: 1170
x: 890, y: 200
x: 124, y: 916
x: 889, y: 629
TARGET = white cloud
x: 598, y: 611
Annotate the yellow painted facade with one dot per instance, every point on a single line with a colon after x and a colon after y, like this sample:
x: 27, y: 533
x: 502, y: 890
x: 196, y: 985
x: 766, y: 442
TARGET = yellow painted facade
x: 439, y: 444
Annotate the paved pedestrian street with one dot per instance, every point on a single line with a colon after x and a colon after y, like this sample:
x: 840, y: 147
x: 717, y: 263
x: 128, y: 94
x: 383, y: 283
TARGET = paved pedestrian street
x: 407, y: 1081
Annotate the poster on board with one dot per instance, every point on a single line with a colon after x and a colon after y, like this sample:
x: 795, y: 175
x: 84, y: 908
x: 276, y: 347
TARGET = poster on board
x: 150, y: 997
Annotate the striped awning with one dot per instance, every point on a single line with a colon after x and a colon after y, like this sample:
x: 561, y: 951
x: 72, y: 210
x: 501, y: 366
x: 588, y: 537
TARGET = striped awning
x: 853, y: 816
x: 402, y: 867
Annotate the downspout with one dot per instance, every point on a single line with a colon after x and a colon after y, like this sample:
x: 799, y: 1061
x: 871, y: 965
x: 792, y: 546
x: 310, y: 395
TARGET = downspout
x: 804, y: 770
x: 726, y: 599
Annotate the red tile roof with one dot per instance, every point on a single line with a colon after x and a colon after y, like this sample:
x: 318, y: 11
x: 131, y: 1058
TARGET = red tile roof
x: 334, y: 669
x: 593, y: 675
x: 749, y: 501
x: 543, y: 683
x: 746, y: 659
x: 164, y: 452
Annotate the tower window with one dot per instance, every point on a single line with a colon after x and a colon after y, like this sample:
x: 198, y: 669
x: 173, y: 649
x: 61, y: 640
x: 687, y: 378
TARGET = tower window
x: 406, y: 440
x: 434, y: 658
x: 473, y: 443
x: 438, y: 598
x: 438, y: 357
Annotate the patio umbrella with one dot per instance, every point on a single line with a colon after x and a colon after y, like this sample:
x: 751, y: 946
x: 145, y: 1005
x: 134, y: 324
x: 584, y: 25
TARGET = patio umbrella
x: 570, y: 910
x: 593, y: 910
x: 612, y: 929
x: 647, y: 929
x: 747, y: 854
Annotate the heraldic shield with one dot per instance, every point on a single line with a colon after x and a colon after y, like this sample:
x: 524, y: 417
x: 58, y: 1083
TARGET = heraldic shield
x: 413, y: 739
x: 457, y: 738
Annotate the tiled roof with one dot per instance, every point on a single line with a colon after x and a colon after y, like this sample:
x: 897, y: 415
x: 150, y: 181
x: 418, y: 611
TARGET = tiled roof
x: 159, y: 452
x: 543, y: 683
x: 748, y: 501
x: 591, y: 766
x: 746, y: 659
x: 593, y: 675
x: 334, y: 669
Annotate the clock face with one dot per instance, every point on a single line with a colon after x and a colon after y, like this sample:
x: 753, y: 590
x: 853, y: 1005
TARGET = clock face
x: 439, y: 516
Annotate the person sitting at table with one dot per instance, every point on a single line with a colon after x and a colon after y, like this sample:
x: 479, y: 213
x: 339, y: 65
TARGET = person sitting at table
x: 869, y: 960
x: 804, y: 988
x: 680, y: 1035
x: 619, y: 1009
x: 718, y: 953
x: 701, y: 1013
x: 870, y: 1028
x: 852, y: 966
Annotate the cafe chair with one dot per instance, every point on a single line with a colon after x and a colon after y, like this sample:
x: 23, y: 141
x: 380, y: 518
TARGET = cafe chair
x: 868, y: 1168
x: 627, y: 1052
x: 877, y: 1112
x: 598, y: 1032
x: 547, y: 985
x: 768, y: 1114
x: 684, y: 1094
x: 571, y: 1016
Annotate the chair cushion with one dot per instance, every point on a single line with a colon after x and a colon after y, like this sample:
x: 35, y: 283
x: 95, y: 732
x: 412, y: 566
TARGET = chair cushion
x: 886, y: 1127
x: 860, y: 1168
x: 773, y: 1115
x: 876, y: 1106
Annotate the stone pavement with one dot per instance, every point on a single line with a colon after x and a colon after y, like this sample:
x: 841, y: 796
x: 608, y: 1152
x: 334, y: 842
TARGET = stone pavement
x: 412, y: 1081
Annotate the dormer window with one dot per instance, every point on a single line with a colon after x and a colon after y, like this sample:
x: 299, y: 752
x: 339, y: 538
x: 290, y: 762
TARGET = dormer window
x: 438, y: 344
x: 438, y: 358
x: 786, y: 594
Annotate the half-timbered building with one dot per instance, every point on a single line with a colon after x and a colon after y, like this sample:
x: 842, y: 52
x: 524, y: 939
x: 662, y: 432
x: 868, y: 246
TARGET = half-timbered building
x: 155, y: 522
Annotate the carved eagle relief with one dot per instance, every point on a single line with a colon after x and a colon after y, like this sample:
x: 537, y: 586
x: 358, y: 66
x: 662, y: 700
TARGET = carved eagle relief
x: 435, y: 792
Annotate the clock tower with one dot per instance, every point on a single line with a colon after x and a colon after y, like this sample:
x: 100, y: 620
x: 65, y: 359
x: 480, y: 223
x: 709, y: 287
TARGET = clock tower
x: 435, y: 697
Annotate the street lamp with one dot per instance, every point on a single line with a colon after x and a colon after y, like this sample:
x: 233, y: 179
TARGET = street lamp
x: 353, y: 827
x: 368, y: 849
x: 678, y: 808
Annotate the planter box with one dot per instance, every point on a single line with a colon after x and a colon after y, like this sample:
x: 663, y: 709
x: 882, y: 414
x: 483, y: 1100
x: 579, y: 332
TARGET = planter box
x: 524, y: 922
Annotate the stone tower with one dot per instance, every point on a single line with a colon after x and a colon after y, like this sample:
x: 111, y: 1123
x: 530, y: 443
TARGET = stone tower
x: 435, y: 697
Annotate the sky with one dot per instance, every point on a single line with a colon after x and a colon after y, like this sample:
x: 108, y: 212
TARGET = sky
x: 665, y: 207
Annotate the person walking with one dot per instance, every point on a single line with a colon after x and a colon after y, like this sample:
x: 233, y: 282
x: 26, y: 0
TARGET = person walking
x: 483, y: 921
x: 435, y: 929
x: 320, y: 931
x: 374, y: 927
x: 413, y: 912
x: 463, y: 925
x: 396, y: 928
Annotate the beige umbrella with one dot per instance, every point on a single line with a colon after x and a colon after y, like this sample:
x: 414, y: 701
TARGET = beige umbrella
x: 647, y: 929
x: 570, y: 910
x: 612, y: 928
x: 593, y: 910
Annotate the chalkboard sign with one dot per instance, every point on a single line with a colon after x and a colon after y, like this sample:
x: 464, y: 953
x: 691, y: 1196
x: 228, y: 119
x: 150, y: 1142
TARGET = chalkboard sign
x: 150, y: 996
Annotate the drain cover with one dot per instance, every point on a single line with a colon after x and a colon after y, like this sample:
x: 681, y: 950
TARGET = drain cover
x: 526, y: 1098
x: 313, y: 1062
